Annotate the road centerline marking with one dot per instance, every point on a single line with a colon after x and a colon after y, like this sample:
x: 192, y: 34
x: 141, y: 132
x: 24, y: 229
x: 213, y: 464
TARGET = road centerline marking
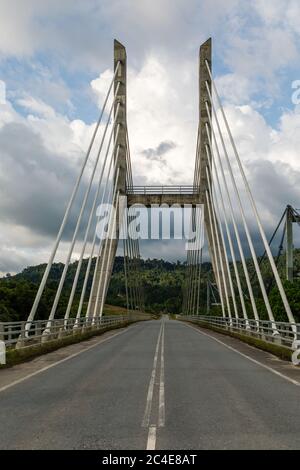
x: 151, y: 441
x: 159, y: 382
x: 161, y: 405
x: 147, y: 414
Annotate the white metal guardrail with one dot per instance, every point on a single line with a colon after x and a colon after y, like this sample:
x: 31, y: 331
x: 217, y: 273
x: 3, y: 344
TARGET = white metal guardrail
x: 287, y: 333
x: 15, y: 335
x: 158, y: 190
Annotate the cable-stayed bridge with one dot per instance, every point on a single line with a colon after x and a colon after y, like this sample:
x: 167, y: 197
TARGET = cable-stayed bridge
x: 157, y: 384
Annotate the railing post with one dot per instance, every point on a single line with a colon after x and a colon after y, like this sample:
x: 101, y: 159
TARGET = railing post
x: 21, y: 340
x: 9, y: 334
x: 2, y: 335
x: 2, y: 352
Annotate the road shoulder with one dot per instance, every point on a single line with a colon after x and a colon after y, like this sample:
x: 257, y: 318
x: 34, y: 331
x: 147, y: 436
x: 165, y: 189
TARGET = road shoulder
x: 266, y: 359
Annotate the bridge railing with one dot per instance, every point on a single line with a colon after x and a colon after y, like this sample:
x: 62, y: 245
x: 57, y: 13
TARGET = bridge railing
x: 286, y: 333
x: 16, y: 335
x: 157, y: 190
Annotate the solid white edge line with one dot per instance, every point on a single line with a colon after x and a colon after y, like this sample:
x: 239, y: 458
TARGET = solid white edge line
x: 147, y: 414
x: 285, y: 377
x: 16, y: 382
x: 151, y: 441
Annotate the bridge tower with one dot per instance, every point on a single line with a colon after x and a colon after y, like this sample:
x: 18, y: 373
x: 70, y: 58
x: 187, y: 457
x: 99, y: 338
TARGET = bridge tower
x: 202, y: 177
x: 106, y: 262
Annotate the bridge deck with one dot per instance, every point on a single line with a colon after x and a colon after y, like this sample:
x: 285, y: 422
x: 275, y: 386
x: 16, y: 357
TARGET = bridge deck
x: 212, y: 397
x: 158, y: 195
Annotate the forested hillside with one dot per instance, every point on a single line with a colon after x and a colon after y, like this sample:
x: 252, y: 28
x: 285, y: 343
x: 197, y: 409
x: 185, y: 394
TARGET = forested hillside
x: 163, y: 286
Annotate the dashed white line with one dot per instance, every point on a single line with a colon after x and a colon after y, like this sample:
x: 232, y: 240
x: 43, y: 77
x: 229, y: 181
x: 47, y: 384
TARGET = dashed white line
x: 161, y: 405
x: 147, y: 414
x: 151, y: 442
x: 285, y: 377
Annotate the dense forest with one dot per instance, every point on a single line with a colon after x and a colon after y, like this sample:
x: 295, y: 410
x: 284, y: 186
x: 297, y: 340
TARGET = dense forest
x: 163, y: 289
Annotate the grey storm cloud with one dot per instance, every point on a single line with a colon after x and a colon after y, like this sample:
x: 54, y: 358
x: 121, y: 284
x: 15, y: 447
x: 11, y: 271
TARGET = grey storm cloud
x: 275, y: 185
x: 12, y: 261
x: 159, y: 151
x: 35, y: 184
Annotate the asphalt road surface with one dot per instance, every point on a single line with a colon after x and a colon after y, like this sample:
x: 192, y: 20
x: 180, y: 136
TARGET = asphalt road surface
x: 157, y: 385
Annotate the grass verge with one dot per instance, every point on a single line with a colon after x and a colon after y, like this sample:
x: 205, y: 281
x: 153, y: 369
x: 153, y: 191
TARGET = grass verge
x: 280, y: 351
x: 172, y: 316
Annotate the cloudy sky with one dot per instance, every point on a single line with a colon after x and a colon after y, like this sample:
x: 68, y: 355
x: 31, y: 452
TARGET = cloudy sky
x: 56, y: 60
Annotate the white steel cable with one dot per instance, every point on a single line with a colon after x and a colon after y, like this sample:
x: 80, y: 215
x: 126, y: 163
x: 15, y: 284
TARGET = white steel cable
x: 219, y: 223
x: 193, y: 259
x: 110, y: 223
x: 201, y: 251
x: 233, y: 219
x: 133, y: 253
x: 131, y: 292
x: 93, y: 244
x: 261, y: 230
x: 219, y: 245
x: 188, y: 279
x: 126, y: 279
x: 128, y: 158
x: 197, y: 259
x: 126, y: 274
x: 133, y: 258
x: 87, y: 232
x: 112, y: 189
x: 83, y: 206
x: 241, y: 295
x: 189, y: 268
x: 249, y: 239
x: 197, y: 163
x: 109, y: 242
x: 189, y: 257
x: 135, y: 244
x: 131, y: 270
x: 67, y: 213
x: 215, y: 255
x: 106, y: 276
